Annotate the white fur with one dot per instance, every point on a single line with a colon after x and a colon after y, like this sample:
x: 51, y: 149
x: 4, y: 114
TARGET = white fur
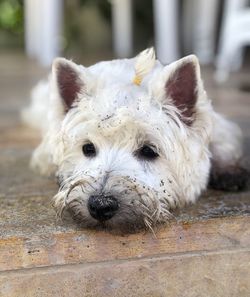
x: 119, y: 117
x: 144, y: 63
x: 38, y: 109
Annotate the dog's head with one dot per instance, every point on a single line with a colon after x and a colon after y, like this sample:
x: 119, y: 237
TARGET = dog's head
x: 128, y: 151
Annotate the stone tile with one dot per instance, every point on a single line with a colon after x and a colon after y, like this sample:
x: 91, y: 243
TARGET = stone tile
x: 203, y: 274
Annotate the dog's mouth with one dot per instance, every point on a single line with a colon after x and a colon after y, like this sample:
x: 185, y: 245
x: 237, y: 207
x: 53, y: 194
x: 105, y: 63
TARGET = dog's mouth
x: 125, y: 219
x: 112, y: 225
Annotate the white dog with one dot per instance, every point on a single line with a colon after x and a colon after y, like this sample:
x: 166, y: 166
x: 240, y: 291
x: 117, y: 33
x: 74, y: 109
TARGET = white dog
x: 129, y: 140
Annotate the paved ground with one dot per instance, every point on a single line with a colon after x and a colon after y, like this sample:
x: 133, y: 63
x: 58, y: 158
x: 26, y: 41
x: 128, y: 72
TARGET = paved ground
x: 30, y: 236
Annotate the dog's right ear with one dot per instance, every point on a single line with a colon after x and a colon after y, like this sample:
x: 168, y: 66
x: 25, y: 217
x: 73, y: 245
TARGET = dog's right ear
x: 67, y: 80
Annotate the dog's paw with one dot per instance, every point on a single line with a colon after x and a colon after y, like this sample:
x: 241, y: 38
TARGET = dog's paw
x: 231, y: 178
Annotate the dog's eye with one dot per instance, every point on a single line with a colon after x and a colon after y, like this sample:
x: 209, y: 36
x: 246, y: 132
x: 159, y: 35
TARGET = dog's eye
x: 89, y: 150
x: 146, y: 152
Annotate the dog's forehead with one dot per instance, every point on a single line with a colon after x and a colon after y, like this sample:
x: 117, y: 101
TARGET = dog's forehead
x: 120, y: 106
x: 118, y: 113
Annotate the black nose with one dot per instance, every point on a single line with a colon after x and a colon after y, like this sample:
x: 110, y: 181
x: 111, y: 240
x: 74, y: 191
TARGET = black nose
x: 102, y: 207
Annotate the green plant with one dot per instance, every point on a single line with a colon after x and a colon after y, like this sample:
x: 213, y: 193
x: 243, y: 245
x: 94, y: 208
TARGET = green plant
x: 11, y: 16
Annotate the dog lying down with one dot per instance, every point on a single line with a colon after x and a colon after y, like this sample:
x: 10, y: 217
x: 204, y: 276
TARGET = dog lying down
x: 130, y: 140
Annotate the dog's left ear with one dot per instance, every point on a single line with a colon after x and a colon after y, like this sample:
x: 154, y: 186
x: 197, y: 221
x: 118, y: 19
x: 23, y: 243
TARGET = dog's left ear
x: 68, y: 81
x: 182, y: 86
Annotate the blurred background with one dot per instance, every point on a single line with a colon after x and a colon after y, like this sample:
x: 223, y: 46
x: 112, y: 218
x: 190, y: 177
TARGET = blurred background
x: 34, y: 32
x: 217, y: 31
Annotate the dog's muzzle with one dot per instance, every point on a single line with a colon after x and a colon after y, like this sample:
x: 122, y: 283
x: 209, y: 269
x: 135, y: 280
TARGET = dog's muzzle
x: 102, y: 207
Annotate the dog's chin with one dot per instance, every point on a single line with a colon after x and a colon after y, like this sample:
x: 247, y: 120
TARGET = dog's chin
x: 116, y: 225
